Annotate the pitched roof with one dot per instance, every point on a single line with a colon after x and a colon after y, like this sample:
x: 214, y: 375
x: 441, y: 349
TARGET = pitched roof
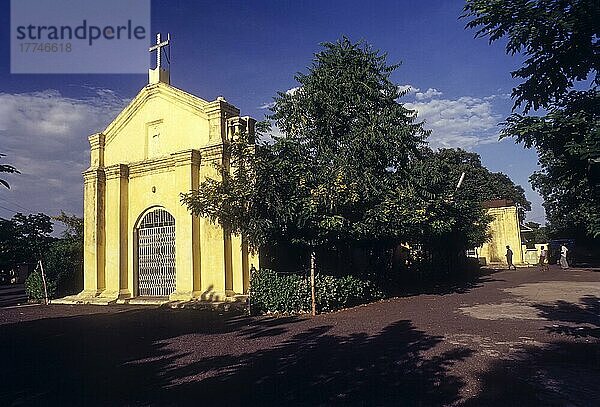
x: 497, y: 203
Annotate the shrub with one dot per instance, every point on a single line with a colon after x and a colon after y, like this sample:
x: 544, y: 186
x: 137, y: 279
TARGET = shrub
x: 283, y: 293
x: 34, y: 286
x: 335, y: 293
x: 271, y: 292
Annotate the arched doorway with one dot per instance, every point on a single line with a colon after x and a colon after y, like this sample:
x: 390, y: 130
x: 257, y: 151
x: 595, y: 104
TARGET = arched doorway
x: 156, y: 254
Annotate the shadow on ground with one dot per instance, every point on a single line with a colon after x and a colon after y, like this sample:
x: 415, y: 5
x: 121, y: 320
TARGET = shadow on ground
x: 152, y: 357
x: 565, y: 372
x: 450, y: 283
x: 316, y: 368
x: 578, y: 320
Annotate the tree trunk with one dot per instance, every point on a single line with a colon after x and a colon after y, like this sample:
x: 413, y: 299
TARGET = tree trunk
x: 312, y: 282
x: 44, y: 283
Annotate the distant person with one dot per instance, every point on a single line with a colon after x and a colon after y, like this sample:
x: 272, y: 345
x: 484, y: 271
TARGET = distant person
x: 13, y: 276
x: 563, y: 257
x: 509, y: 256
x: 543, y: 259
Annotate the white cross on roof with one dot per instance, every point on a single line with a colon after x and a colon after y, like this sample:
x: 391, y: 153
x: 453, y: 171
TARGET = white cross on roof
x: 158, y: 48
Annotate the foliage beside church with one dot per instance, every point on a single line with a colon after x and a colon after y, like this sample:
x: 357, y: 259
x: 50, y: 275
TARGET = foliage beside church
x: 352, y: 169
x: 25, y: 239
x: 290, y: 293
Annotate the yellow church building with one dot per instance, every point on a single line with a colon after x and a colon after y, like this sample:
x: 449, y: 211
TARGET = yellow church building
x: 140, y: 242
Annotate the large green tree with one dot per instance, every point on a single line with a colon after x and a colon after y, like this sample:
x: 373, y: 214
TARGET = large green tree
x: 24, y: 238
x: 456, y: 219
x: 560, y: 40
x: 346, y: 145
x: 351, y: 167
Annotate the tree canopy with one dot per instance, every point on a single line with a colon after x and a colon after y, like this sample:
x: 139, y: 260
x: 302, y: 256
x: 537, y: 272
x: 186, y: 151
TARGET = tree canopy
x: 457, y: 217
x: 351, y: 165
x: 560, y: 40
x: 346, y: 143
x: 27, y: 239
x: 24, y: 238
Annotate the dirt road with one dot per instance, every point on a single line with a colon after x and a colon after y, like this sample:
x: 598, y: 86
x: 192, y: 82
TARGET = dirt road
x: 507, y: 338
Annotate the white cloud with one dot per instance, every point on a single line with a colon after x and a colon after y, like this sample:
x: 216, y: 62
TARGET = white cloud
x: 463, y: 122
x: 293, y: 90
x: 408, y: 89
x: 44, y: 134
x: 269, y: 105
x: 428, y: 94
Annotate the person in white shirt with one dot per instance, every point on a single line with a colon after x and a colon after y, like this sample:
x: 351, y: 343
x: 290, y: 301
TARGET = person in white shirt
x: 563, y: 257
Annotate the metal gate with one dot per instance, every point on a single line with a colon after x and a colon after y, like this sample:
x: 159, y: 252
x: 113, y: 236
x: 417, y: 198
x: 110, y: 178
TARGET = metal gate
x: 156, y: 254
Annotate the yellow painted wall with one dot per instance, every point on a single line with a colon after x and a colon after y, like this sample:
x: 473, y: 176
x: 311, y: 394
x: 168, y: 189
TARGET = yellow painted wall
x: 504, y: 230
x: 181, y: 127
x: 130, y: 175
x: 532, y: 255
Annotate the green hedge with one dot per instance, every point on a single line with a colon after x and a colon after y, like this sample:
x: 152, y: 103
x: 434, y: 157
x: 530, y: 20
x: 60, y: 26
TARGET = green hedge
x: 272, y: 292
x: 334, y: 293
x: 283, y: 293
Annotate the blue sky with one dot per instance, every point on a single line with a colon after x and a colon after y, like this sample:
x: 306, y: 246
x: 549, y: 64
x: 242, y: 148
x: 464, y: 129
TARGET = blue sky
x: 246, y: 51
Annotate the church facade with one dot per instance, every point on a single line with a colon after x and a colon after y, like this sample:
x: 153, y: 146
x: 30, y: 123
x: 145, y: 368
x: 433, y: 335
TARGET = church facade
x: 139, y: 240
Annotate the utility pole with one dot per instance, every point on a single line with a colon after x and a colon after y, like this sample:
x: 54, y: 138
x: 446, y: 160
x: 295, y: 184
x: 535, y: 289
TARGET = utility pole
x: 312, y: 282
x: 43, y: 281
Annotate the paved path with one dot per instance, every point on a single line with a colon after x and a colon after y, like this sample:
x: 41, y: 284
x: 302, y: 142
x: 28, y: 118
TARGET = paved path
x: 508, y: 338
x: 12, y: 294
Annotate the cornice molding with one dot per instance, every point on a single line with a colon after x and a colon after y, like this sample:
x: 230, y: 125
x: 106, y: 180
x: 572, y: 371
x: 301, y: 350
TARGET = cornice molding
x: 212, y: 152
x: 97, y: 140
x: 216, y: 107
x: 93, y: 174
x: 186, y: 157
x: 116, y: 171
x: 168, y: 163
x: 154, y: 166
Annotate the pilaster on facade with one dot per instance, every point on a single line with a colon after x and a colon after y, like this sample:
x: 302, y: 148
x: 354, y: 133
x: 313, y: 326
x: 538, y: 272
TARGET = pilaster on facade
x: 93, y: 230
x: 117, y: 205
x: 97, y: 143
x: 186, y: 166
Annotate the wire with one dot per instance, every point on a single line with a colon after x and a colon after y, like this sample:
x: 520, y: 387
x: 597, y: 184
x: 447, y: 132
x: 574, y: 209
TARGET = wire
x: 16, y: 204
x: 7, y: 209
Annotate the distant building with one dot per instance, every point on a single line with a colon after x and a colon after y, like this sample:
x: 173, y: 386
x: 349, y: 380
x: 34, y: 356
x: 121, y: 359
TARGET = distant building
x: 504, y: 231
